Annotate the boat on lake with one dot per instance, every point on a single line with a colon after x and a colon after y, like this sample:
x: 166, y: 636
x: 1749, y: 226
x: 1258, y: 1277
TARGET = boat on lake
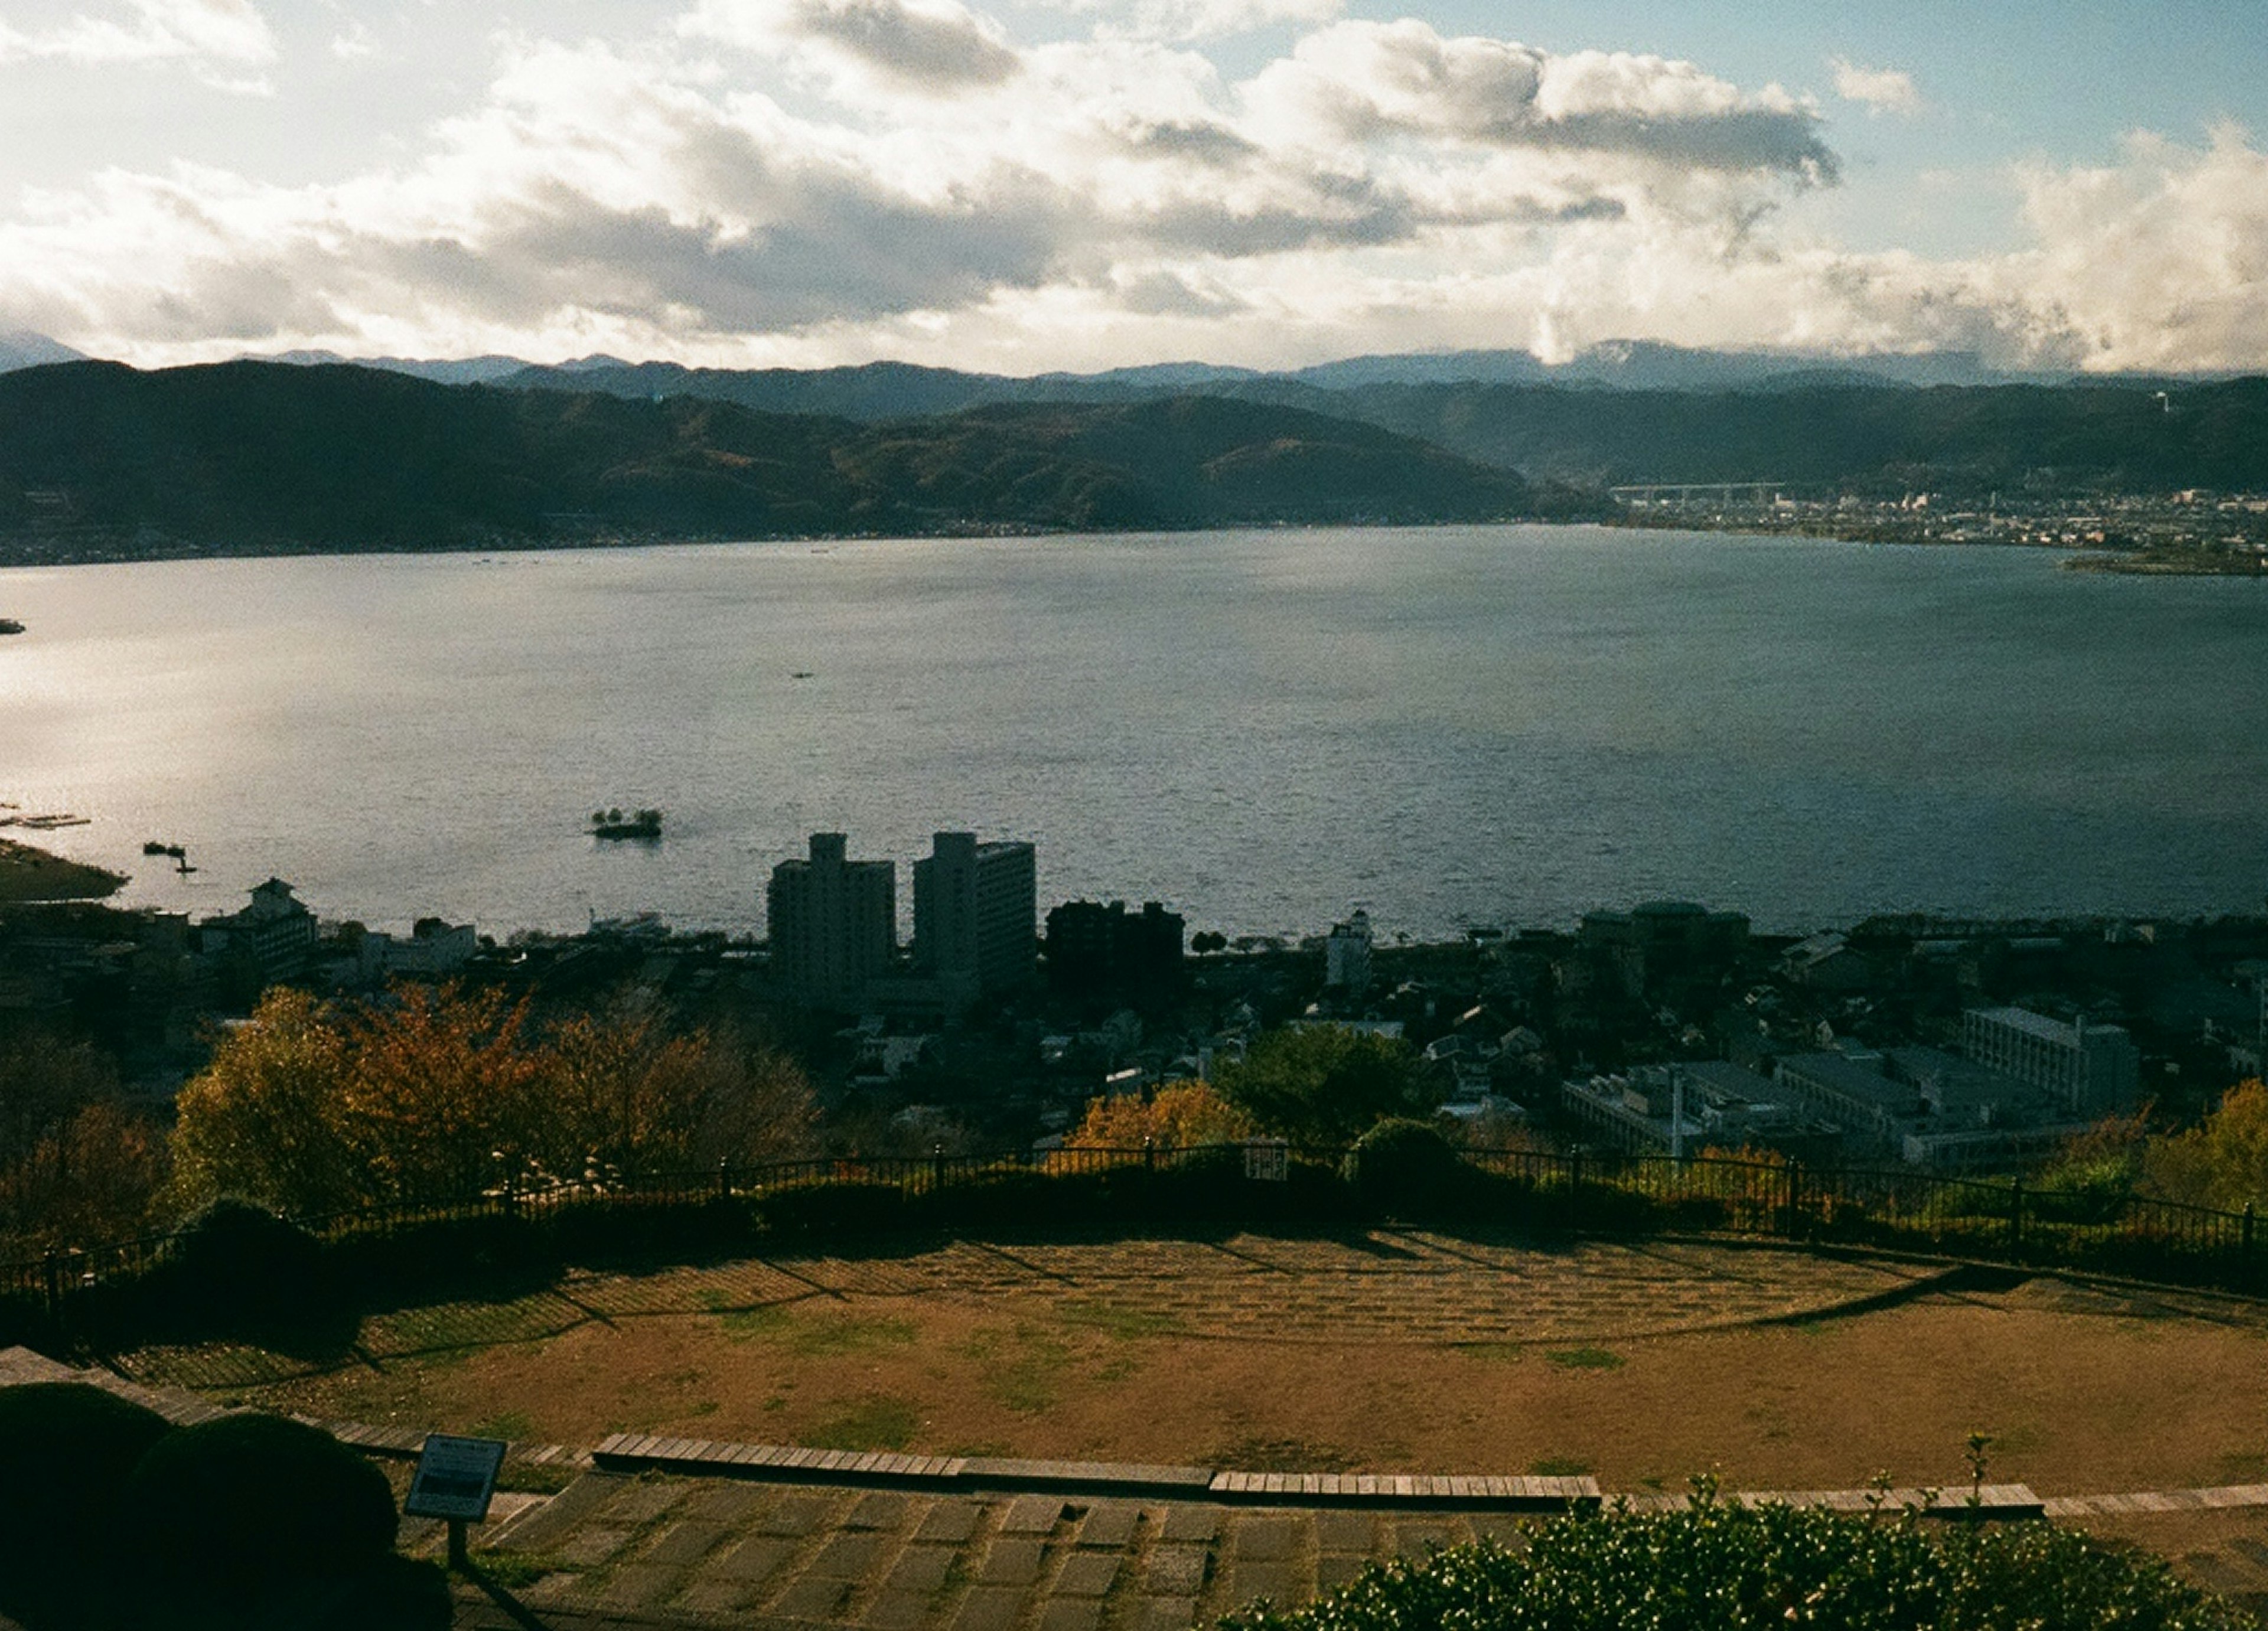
x: 10, y: 626
x: 644, y: 824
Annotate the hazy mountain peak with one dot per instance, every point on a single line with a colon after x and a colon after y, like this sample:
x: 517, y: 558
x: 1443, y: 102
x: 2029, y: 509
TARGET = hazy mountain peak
x: 20, y: 347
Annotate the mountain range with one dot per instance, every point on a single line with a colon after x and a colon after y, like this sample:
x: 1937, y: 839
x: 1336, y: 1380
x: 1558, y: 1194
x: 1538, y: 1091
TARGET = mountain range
x: 99, y: 460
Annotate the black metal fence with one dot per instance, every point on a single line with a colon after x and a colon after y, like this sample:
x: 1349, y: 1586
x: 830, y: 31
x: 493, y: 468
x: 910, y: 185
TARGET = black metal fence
x: 1990, y: 1221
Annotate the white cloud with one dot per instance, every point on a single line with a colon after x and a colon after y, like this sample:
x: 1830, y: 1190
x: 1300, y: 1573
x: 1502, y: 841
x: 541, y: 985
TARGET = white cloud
x: 1880, y: 90
x: 1184, y: 21
x: 937, y: 48
x: 755, y: 185
x: 209, y: 30
x: 1362, y: 81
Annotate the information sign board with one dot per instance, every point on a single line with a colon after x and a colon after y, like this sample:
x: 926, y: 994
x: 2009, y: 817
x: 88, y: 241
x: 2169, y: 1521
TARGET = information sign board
x: 455, y: 1478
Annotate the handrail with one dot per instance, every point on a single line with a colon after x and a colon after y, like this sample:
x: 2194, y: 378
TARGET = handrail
x: 1995, y: 1219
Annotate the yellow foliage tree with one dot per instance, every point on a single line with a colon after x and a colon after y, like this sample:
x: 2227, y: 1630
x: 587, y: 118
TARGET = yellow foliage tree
x: 262, y: 1120
x: 312, y: 1107
x: 444, y: 1090
x: 1179, y: 1115
x: 2222, y: 1163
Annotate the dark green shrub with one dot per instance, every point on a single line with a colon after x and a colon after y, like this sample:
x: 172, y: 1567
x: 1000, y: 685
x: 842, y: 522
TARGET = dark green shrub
x: 487, y: 1254
x: 823, y: 1208
x: 66, y: 1451
x: 648, y: 1231
x: 238, y: 1269
x: 2082, y: 1192
x: 1006, y: 1198
x: 1720, y: 1568
x: 1402, y: 1165
x: 233, y: 1510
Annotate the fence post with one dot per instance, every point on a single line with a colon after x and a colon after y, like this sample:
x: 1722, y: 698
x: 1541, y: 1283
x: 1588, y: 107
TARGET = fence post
x: 936, y: 1167
x: 1792, y: 1223
x: 54, y: 1277
x: 724, y: 1178
x: 2016, y: 1213
x: 2244, y: 1235
x: 1149, y: 1155
x: 1574, y: 1185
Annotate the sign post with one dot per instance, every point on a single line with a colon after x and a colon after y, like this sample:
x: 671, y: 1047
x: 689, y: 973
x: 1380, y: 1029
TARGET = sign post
x: 455, y: 1481
x: 1268, y: 1160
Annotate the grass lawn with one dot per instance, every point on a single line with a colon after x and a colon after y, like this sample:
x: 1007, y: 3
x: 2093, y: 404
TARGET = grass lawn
x: 1279, y: 1356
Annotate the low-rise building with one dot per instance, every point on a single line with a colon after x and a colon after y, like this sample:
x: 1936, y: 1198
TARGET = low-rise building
x: 2091, y: 1070
x: 274, y: 933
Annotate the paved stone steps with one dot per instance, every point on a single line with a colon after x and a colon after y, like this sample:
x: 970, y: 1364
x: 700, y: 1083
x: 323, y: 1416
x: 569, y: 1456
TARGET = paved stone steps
x: 631, y: 1452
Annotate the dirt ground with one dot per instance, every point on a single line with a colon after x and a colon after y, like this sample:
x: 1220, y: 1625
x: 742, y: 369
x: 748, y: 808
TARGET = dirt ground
x: 2082, y: 1390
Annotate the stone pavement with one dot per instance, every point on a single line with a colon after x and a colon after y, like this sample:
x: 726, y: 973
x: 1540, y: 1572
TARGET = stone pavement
x: 668, y: 1550
x: 657, y: 1550
x: 956, y: 1546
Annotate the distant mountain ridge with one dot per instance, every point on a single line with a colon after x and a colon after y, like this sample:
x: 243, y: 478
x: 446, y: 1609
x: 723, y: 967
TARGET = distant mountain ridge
x: 96, y: 458
x: 20, y: 347
x: 894, y: 390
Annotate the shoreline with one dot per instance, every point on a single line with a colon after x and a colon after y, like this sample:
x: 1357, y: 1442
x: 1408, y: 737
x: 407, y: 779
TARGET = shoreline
x: 44, y: 554
x: 30, y: 876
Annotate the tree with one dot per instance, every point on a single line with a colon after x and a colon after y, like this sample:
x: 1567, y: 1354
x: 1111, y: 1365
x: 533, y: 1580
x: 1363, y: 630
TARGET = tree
x: 263, y: 1119
x: 1327, y: 1085
x: 76, y: 1164
x: 2222, y: 1163
x: 626, y: 1092
x: 436, y: 1092
x: 445, y: 1091
x: 1180, y: 1115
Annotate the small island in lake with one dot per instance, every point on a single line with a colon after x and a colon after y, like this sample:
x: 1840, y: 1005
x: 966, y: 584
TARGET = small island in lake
x: 643, y: 824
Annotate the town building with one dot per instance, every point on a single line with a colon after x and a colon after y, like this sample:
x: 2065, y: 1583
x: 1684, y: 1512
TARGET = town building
x: 1346, y: 956
x: 976, y: 916
x: 2091, y: 1070
x: 274, y: 933
x: 434, y: 950
x: 833, y: 921
x: 1705, y: 1106
x: 1665, y: 946
x: 1097, y: 951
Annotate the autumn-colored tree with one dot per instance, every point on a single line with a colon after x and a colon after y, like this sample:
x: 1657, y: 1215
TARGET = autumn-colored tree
x: 76, y: 1164
x: 264, y: 1119
x: 434, y: 1093
x: 624, y: 1092
x: 1180, y: 1115
x: 445, y: 1090
x: 2221, y: 1162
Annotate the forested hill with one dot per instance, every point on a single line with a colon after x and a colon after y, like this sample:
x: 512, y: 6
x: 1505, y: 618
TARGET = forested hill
x: 1870, y: 439
x: 1812, y: 430
x: 98, y: 459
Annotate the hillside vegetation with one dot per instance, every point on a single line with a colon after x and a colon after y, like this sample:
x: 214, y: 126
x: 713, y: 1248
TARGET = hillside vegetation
x: 1814, y: 431
x: 100, y: 459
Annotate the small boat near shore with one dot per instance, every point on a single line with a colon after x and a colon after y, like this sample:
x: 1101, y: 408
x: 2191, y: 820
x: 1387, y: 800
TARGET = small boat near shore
x: 10, y: 626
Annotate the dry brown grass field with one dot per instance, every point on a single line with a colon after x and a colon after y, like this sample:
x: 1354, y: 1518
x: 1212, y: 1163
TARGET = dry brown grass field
x: 1641, y: 1364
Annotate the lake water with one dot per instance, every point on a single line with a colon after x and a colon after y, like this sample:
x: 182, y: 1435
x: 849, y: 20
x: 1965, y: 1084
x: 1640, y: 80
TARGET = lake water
x: 1263, y: 728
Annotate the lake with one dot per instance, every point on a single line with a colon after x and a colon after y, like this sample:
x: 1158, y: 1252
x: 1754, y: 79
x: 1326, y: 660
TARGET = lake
x: 1450, y: 726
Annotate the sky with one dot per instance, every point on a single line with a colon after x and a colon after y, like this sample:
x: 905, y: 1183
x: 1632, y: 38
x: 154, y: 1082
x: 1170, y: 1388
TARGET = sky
x: 1017, y: 186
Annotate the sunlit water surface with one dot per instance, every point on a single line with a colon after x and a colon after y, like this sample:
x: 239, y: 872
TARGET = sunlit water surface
x: 1263, y: 729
